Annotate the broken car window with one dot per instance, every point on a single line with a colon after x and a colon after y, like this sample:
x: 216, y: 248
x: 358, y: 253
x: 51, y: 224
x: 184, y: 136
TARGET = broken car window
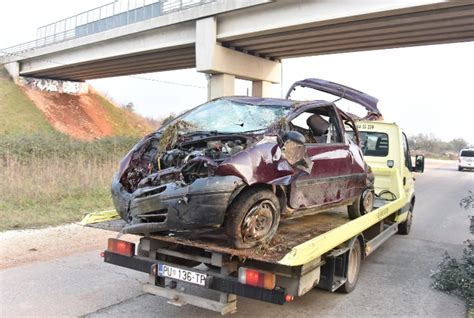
x: 324, y: 130
x: 233, y: 117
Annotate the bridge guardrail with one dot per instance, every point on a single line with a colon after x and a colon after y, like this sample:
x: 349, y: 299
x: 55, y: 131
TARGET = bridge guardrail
x: 113, y: 15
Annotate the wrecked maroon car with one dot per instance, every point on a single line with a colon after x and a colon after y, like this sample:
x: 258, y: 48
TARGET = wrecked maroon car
x: 239, y: 164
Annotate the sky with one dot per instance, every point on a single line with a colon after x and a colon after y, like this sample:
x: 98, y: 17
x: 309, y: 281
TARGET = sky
x: 426, y: 89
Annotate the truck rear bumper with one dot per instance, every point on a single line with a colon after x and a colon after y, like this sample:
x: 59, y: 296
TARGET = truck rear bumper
x: 228, y: 285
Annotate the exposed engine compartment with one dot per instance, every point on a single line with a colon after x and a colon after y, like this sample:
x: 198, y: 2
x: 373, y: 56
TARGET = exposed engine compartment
x: 187, y: 160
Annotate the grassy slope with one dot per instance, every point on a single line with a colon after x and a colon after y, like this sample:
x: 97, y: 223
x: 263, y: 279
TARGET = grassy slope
x: 123, y: 122
x: 36, y: 191
x: 18, y: 115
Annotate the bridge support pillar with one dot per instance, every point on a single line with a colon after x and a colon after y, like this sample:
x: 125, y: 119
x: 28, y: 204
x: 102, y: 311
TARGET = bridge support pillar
x: 261, y: 89
x: 13, y: 69
x: 220, y: 85
x: 225, y: 64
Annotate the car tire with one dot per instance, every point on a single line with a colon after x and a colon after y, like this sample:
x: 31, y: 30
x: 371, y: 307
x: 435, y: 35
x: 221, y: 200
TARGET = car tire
x: 362, y: 205
x: 353, y: 268
x: 405, y: 227
x: 252, y: 218
x: 459, y: 168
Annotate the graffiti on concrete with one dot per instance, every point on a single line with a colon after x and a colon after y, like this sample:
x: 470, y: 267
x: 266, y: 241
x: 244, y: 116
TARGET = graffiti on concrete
x: 59, y: 86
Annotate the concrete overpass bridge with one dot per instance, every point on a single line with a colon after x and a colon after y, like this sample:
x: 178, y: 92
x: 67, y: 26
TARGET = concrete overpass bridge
x: 237, y: 39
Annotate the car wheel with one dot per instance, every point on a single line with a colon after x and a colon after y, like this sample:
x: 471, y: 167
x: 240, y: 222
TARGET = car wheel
x: 252, y: 218
x: 405, y: 227
x: 459, y: 168
x: 353, y: 268
x: 364, y: 204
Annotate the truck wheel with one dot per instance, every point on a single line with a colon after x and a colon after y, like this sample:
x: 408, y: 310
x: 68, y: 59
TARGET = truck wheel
x: 364, y: 204
x: 405, y: 227
x: 252, y: 218
x: 353, y: 268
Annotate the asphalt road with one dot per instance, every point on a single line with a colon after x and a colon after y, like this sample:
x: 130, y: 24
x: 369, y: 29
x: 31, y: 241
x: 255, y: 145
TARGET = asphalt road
x: 394, y: 281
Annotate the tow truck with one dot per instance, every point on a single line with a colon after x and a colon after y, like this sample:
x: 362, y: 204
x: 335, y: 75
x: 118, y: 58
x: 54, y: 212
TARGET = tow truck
x: 323, y: 250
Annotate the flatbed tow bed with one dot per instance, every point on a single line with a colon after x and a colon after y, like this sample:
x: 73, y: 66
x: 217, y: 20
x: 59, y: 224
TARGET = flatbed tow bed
x: 306, y: 252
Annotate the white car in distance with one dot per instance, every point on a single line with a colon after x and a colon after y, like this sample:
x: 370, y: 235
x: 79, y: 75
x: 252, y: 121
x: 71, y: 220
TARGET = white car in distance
x: 466, y: 159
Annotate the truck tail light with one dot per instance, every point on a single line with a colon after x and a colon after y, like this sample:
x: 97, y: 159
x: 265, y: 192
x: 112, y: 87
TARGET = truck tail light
x: 256, y: 278
x: 121, y: 247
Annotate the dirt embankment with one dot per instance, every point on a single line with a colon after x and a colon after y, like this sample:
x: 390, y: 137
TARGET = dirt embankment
x: 86, y: 116
x: 74, y: 115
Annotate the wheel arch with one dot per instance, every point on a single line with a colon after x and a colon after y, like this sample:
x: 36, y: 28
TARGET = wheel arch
x: 278, y: 190
x: 361, y: 239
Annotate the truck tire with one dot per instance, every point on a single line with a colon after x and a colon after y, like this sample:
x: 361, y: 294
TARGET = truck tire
x: 353, y: 268
x: 252, y: 218
x: 364, y: 204
x: 405, y: 227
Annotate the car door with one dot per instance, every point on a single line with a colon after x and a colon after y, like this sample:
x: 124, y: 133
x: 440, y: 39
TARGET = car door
x: 330, y: 174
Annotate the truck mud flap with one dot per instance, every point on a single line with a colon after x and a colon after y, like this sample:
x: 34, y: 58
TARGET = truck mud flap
x: 334, y: 272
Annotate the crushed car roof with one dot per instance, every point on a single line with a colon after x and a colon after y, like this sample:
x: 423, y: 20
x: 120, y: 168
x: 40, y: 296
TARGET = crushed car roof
x: 342, y: 91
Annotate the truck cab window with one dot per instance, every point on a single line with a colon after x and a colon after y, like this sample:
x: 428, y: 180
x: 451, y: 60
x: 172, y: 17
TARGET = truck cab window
x: 374, y: 144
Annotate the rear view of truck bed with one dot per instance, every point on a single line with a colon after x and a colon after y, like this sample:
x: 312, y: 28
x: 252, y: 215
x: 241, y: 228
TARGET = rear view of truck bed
x: 305, y: 252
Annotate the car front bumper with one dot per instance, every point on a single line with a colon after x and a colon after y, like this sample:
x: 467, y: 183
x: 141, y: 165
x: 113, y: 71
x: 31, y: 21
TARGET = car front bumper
x: 176, y: 206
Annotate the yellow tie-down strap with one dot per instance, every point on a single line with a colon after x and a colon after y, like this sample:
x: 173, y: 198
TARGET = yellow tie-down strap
x: 317, y: 246
x: 97, y: 217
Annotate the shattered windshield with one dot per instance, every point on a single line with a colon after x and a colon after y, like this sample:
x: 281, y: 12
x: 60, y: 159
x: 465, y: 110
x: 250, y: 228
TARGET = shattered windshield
x: 233, y: 117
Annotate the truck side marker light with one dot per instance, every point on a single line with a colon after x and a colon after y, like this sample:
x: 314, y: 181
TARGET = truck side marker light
x: 390, y: 163
x: 256, y: 278
x: 289, y: 298
x: 121, y: 247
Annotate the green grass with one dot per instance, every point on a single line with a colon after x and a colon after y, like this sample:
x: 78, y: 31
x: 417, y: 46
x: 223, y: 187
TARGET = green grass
x: 18, y: 115
x: 47, y: 212
x: 50, y: 180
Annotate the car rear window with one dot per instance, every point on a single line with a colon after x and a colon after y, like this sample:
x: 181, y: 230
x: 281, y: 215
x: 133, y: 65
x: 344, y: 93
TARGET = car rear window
x: 467, y: 153
x: 374, y: 144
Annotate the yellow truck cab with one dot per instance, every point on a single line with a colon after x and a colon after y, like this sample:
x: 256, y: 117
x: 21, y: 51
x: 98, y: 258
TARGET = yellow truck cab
x: 385, y: 145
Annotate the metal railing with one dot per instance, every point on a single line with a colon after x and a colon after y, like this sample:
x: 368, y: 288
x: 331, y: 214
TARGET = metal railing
x: 106, y: 17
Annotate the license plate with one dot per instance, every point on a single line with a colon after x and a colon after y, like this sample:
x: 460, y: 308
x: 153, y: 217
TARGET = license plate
x: 182, y: 274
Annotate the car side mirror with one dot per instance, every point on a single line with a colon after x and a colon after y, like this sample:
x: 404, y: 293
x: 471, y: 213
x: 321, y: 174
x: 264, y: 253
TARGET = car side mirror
x: 294, y: 151
x: 419, y: 164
